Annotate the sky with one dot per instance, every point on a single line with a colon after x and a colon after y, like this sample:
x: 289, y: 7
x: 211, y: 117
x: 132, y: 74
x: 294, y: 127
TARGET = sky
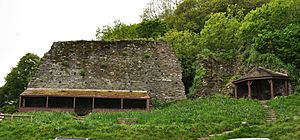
x: 31, y: 26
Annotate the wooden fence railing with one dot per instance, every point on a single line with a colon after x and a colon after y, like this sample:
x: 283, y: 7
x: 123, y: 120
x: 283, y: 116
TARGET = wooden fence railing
x: 14, y: 116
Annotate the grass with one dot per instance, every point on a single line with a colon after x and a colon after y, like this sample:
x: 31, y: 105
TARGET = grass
x: 287, y: 126
x: 188, y: 119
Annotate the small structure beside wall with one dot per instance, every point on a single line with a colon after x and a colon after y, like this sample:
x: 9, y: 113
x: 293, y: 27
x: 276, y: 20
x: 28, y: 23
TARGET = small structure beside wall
x: 83, y: 101
x: 262, y: 84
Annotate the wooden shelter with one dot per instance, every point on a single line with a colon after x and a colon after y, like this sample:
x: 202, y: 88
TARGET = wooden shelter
x: 83, y: 101
x: 262, y: 84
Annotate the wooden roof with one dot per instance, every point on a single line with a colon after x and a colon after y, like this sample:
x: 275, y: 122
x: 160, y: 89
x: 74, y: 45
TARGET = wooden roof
x: 86, y: 93
x: 261, y: 73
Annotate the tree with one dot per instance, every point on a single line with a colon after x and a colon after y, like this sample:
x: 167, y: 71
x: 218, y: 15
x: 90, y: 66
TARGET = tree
x: 218, y: 35
x: 270, y: 37
x: 17, y: 79
x: 148, y: 28
x: 159, y: 8
x: 185, y: 45
x: 154, y: 28
x: 192, y: 14
x: 118, y: 31
x: 276, y: 15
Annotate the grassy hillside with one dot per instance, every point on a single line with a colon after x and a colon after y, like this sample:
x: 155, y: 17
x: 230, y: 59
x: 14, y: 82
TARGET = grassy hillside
x: 187, y: 119
x: 287, y: 126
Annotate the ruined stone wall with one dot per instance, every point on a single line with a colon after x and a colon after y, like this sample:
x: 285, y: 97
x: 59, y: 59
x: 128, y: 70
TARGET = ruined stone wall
x: 119, y: 65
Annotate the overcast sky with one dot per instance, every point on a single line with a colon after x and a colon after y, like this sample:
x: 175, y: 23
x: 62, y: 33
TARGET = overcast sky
x: 32, y: 25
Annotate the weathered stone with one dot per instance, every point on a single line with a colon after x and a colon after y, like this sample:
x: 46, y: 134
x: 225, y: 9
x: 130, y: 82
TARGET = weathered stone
x: 120, y: 65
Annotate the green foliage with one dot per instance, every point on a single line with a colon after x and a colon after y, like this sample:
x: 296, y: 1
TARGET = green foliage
x: 9, y: 108
x: 276, y: 15
x: 218, y: 35
x: 285, y: 44
x: 156, y: 102
x: 185, y: 45
x: 16, y: 81
x: 147, y: 29
x: 286, y: 127
x: 82, y: 72
x: 118, y: 31
x: 192, y: 14
x: 287, y: 108
x: 151, y: 28
x: 197, y: 118
x: 147, y: 54
x: 159, y: 9
x: 197, y: 82
x: 270, y: 35
x: 66, y: 63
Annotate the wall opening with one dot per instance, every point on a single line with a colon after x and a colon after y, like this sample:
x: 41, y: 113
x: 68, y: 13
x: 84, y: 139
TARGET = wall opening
x: 60, y: 102
x: 35, y: 101
x: 107, y: 103
x: 83, y: 106
x: 242, y: 89
x: 134, y: 104
x: 261, y: 90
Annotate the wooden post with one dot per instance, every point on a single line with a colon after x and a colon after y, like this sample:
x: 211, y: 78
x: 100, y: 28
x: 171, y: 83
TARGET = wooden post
x: 286, y: 84
x: 20, y: 101
x: 249, y: 89
x: 74, y: 103
x: 47, y: 101
x: 235, y: 91
x: 122, y: 102
x: 23, y: 102
x: 93, y: 104
x: 148, y: 104
x: 271, y: 88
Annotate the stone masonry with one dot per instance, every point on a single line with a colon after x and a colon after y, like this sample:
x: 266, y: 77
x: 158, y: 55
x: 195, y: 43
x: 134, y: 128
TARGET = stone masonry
x: 118, y: 65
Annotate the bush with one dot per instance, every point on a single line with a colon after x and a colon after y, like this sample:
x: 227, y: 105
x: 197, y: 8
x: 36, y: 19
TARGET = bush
x: 200, y: 73
x: 9, y: 109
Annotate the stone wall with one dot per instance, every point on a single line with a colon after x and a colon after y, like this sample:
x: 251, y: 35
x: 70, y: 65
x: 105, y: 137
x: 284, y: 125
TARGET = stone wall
x: 118, y: 65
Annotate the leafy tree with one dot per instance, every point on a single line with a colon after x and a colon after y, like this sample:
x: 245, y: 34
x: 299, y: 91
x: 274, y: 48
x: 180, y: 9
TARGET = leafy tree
x: 192, y: 14
x: 270, y: 36
x: 218, y: 35
x: 118, y: 31
x: 151, y: 28
x: 185, y: 45
x: 276, y: 15
x: 159, y: 8
x: 17, y: 80
x: 285, y: 44
x: 148, y: 28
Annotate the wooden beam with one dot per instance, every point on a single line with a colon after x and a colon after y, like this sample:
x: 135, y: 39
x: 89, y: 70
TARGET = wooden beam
x: 122, y: 102
x: 24, y: 100
x: 148, y: 104
x: 271, y: 88
x: 47, y: 101
x: 249, y: 89
x: 20, y: 101
x: 286, y: 85
x: 235, y: 91
x: 74, y: 103
x: 93, y: 103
